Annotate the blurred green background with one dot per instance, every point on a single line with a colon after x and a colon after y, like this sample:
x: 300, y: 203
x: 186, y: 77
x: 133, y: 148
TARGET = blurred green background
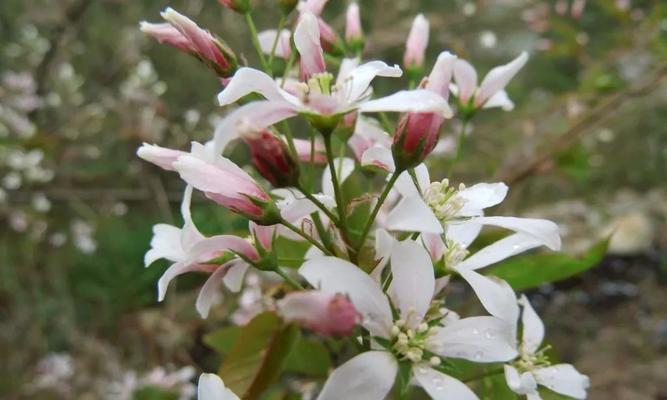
x: 81, y: 88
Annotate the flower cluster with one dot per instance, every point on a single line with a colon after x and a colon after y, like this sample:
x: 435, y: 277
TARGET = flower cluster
x: 379, y: 263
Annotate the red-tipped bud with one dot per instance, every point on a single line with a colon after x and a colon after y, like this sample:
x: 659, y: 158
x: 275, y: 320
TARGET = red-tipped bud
x: 414, y: 139
x: 354, y: 35
x: 271, y: 156
x: 328, y: 314
x: 240, y: 6
x: 415, y: 46
x: 184, y: 34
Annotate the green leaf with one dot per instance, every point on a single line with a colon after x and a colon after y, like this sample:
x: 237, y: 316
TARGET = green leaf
x: 223, y: 339
x: 309, y: 357
x: 258, y: 356
x: 533, y: 270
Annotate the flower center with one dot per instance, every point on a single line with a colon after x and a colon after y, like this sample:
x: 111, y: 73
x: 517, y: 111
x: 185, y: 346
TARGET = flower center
x: 409, y: 344
x: 444, y: 200
x: 318, y: 84
x: 454, y: 253
x: 530, y: 361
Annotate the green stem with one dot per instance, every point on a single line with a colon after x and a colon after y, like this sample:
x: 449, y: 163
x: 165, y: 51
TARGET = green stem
x: 290, y: 139
x: 281, y: 25
x: 306, y: 236
x: 483, y: 375
x: 459, y: 146
x: 377, y: 208
x: 288, y: 279
x: 322, y: 232
x: 288, y: 67
x: 255, y: 42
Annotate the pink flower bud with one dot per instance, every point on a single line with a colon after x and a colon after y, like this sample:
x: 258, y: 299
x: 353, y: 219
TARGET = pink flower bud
x: 328, y: 314
x: 353, y: 31
x: 209, y: 49
x: 271, y: 156
x: 240, y: 6
x: 415, y: 46
x: 415, y: 138
x: 167, y: 34
x: 160, y: 156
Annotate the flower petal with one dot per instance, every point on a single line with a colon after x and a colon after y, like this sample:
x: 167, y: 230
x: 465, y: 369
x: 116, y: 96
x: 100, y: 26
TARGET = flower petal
x: 344, y: 167
x: 211, y: 387
x: 496, y: 295
x: 533, y: 328
x: 441, y: 75
x: 466, y: 80
x: 440, y: 386
x: 307, y: 42
x: 210, y: 292
x: 500, y: 100
x: 542, y: 230
x: 380, y: 157
x: 504, y: 248
x: 384, y: 242
x: 563, y: 379
x: 249, y: 80
x: 498, y: 78
x: 521, y: 384
x: 413, y: 281
x: 418, y: 100
x: 463, y: 233
x: 334, y: 275
x: 368, y: 376
x: 435, y: 245
x: 267, y: 39
x: 478, y: 339
x: 411, y: 214
x: 359, y: 79
x: 481, y: 196
x: 166, y: 243
x: 235, y: 276
x: 172, y: 272
x: 161, y: 156
x: 406, y: 185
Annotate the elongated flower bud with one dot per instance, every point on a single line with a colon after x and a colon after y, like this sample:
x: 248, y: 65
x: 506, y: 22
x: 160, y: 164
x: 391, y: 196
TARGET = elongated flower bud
x: 415, y: 46
x: 328, y: 314
x: 240, y: 6
x: 353, y: 31
x: 307, y: 41
x: 271, y: 156
x: 195, y: 40
x: 415, y: 138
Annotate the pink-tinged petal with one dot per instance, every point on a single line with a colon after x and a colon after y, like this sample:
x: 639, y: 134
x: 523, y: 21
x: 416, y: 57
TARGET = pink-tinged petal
x: 500, y: 100
x: 368, y: 376
x: 563, y: 379
x: 440, y: 386
x: 542, y: 230
x: 353, y: 29
x: 263, y: 234
x: 303, y: 150
x: 415, y: 46
x: 378, y: 156
x: 283, y: 48
x: 466, y: 80
x: 347, y: 65
x: 411, y: 214
x: 435, y: 246
x: 413, y: 281
x: 248, y: 80
x: 312, y: 6
x: 210, y: 292
x: 307, y: 41
x: 441, y: 75
x: 463, y: 233
x: 160, y: 156
x: 325, y: 313
x: 481, y: 196
x: 478, y: 339
x: 190, y: 235
x: 211, y: 387
x: 234, y: 278
x: 496, y: 295
x: 417, y: 101
x: 334, y: 275
x: 520, y: 383
x: 344, y: 167
x: 356, y: 84
x: 384, y: 242
x: 172, y: 272
x: 405, y: 185
x: 259, y: 114
x: 165, y: 33
x: 211, y: 247
x: 533, y: 328
x: 500, y: 250
x: 498, y: 78
x: 166, y: 243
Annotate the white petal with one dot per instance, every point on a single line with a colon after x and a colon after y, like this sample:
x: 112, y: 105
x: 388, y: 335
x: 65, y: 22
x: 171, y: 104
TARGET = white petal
x: 406, y: 185
x: 502, y: 100
x: 368, y: 376
x: 435, y: 245
x: 441, y: 75
x: 307, y: 43
x: 478, y: 339
x: 210, y: 292
x: 499, y: 77
x: 521, y: 384
x: 268, y: 37
x: 500, y: 250
x: 378, y: 156
x: 166, y: 243
x: 466, y: 80
x: 384, y: 242
x: 463, y: 233
x: 440, y: 386
x: 234, y: 278
x: 172, y: 272
x: 563, y: 379
x: 481, y: 196
x: 344, y: 167
x: 413, y: 281
x: 533, y: 328
x: 543, y: 230
x: 411, y: 214
x: 249, y: 80
x: 418, y: 100
x: 334, y: 275
x: 211, y: 387
x: 347, y: 65
x: 496, y: 295
x: 359, y: 79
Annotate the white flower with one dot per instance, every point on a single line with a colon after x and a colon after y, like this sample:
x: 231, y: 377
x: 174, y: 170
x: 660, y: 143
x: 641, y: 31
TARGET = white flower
x: 211, y: 387
x: 532, y: 368
x: 416, y: 335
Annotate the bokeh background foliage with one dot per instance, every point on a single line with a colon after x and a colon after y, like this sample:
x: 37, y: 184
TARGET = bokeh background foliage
x: 80, y: 89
